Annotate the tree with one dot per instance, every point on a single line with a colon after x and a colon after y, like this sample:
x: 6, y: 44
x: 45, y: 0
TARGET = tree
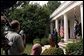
x: 6, y: 7
x: 21, y: 3
x: 33, y: 19
x: 53, y: 5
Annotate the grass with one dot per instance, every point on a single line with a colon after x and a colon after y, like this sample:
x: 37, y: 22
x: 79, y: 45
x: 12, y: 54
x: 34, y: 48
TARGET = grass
x: 28, y: 49
x: 73, y: 40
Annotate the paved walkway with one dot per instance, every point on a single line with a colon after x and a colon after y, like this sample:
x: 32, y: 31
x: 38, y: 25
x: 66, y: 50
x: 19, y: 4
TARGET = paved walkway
x: 61, y: 45
x: 45, y: 47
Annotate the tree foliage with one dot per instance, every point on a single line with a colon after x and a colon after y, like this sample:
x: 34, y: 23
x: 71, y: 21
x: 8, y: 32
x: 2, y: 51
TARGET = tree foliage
x: 53, y: 5
x: 34, y: 19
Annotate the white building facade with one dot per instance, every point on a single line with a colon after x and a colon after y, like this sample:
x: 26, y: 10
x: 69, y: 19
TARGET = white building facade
x: 65, y: 14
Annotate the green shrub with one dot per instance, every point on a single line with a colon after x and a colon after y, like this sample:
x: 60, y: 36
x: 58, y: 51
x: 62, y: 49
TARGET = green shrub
x: 37, y: 40
x: 75, y: 48
x: 53, y: 51
x: 44, y: 41
x: 59, y: 38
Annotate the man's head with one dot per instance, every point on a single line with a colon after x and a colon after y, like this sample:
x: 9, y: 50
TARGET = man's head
x: 15, y: 25
x: 36, y: 49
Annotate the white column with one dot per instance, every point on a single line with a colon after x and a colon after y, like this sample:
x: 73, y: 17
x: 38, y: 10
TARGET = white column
x: 56, y: 25
x: 81, y: 12
x: 65, y: 28
x: 51, y: 27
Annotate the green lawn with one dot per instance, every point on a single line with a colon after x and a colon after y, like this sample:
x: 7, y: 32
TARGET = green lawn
x: 28, y: 49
